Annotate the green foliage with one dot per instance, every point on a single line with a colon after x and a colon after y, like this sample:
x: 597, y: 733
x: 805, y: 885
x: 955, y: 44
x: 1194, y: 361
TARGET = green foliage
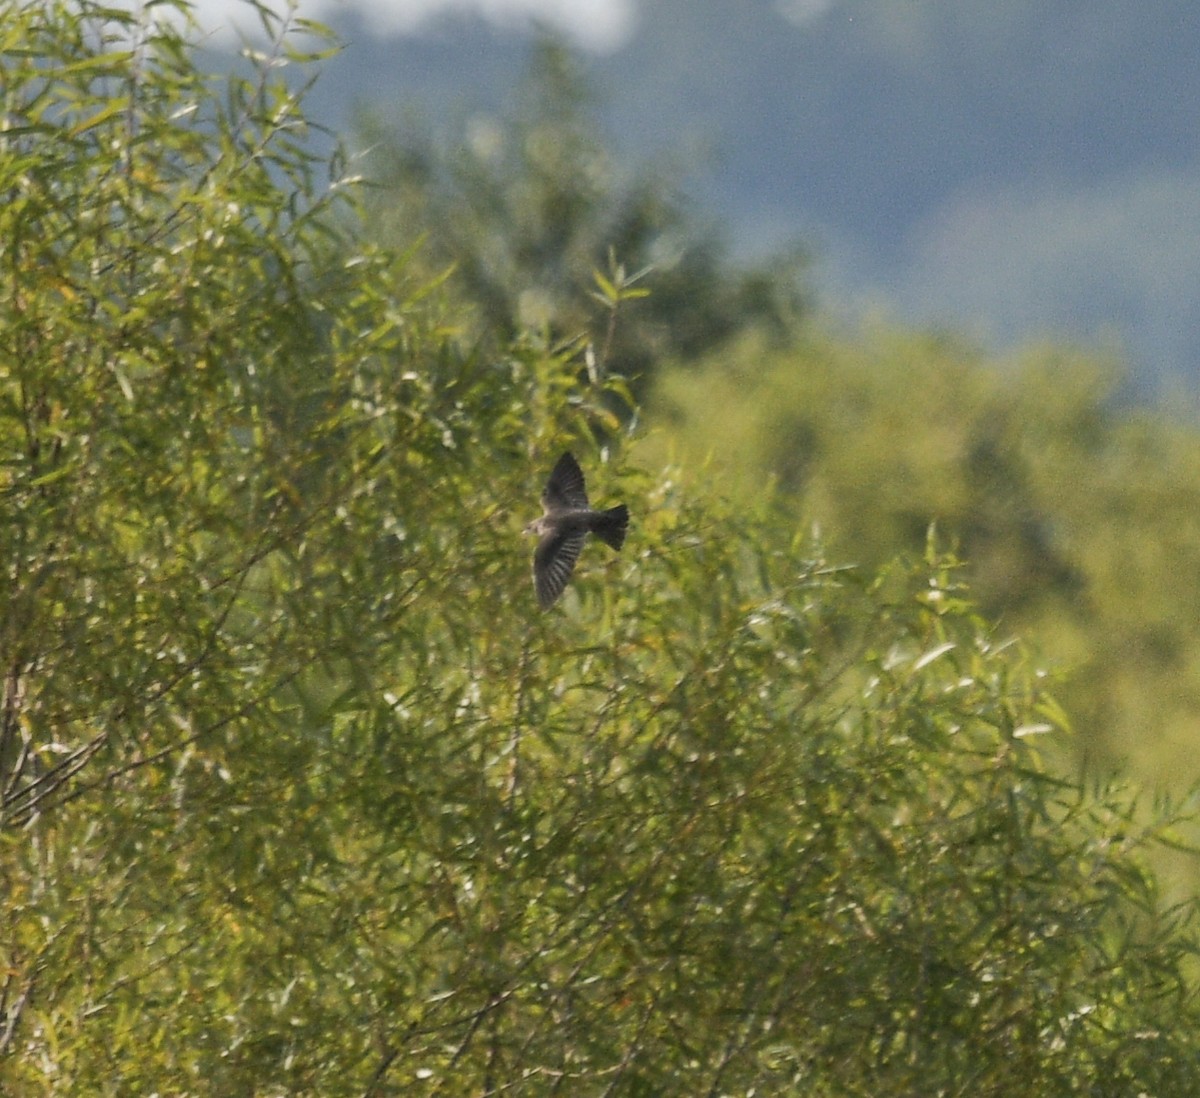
x: 300, y: 794
x: 169, y: 371
x: 524, y: 206
x: 1078, y: 517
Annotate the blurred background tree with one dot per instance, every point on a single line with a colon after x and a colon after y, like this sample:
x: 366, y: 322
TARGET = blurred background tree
x: 523, y: 206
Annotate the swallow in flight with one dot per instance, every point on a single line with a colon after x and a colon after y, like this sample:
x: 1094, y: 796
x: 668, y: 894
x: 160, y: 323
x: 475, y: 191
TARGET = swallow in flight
x: 564, y: 526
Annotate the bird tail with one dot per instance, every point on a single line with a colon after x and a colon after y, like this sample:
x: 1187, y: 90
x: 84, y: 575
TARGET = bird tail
x: 609, y: 526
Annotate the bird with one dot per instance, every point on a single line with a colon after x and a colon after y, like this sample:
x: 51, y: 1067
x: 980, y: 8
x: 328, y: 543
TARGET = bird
x: 566, y: 521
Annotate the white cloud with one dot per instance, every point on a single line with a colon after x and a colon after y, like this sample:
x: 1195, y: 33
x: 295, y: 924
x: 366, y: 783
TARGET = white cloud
x: 1116, y: 260
x: 599, y: 25
x: 803, y: 11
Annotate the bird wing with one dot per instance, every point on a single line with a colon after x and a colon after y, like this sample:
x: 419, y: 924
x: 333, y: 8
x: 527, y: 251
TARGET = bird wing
x: 553, y: 561
x: 565, y: 487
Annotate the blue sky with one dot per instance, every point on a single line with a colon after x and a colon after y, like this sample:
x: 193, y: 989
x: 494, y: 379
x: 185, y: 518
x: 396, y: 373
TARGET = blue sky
x: 1012, y: 169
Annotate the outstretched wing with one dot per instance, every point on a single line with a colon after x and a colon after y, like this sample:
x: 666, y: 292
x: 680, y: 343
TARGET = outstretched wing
x: 553, y: 561
x: 565, y: 487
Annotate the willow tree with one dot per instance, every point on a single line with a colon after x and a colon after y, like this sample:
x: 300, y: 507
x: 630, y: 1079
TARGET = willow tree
x: 300, y: 793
